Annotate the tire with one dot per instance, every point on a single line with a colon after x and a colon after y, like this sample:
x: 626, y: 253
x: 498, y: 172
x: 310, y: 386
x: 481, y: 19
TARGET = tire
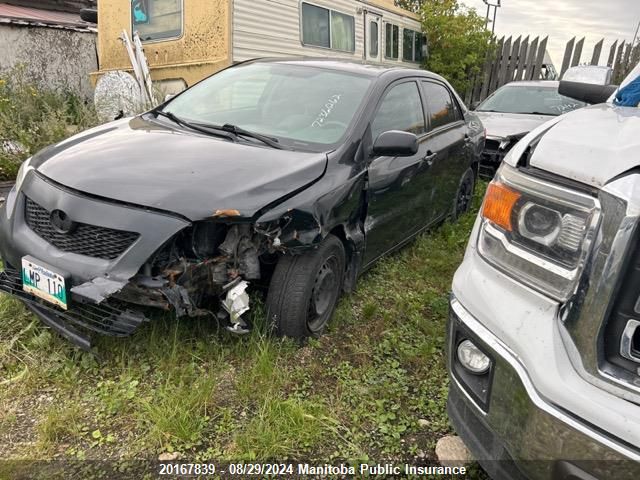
x: 464, y: 195
x: 305, y: 289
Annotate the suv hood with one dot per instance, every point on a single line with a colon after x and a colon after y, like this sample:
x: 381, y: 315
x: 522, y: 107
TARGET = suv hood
x: 591, y: 145
x: 146, y: 163
x: 503, y: 125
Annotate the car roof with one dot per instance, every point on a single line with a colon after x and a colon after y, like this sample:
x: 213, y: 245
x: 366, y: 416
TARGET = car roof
x: 534, y: 83
x: 346, y: 65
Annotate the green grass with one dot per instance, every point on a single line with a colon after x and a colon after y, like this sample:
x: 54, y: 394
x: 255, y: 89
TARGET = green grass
x: 186, y: 386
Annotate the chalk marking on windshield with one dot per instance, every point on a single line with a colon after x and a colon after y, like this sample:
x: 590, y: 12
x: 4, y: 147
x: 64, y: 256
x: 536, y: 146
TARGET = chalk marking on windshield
x: 332, y: 101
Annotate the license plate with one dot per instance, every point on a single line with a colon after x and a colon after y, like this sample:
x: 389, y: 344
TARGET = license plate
x: 43, y: 282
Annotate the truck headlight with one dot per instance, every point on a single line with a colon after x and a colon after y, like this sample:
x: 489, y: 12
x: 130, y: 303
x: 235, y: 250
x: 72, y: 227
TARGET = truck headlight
x: 537, y: 231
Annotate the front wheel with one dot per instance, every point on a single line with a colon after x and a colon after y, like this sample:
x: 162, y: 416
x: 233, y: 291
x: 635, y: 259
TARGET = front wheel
x: 464, y: 195
x: 305, y: 289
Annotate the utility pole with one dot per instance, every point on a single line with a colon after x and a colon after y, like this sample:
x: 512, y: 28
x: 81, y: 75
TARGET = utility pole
x: 497, y: 4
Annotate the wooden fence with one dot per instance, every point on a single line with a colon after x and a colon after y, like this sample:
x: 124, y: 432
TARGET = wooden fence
x: 524, y: 59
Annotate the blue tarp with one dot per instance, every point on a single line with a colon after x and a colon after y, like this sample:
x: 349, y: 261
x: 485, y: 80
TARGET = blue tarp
x: 629, y: 96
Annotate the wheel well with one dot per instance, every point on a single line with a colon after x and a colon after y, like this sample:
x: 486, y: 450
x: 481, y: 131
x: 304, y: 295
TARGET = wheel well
x: 339, y: 232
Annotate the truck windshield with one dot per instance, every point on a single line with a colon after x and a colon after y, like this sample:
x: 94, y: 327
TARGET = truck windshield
x: 539, y: 100
x: 297, y: 105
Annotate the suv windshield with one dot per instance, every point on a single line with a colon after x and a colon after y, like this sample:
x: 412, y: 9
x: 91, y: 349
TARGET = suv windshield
x: 300, y: 106
x: 529, y: 99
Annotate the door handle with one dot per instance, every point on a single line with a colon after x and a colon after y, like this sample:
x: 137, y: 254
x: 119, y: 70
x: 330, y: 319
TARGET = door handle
x: 430, y: 157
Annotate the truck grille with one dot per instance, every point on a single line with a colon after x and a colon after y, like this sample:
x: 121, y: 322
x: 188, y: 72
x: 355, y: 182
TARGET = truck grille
x: 89, y: 240
x: 491, y: 158
x: 626, y: 310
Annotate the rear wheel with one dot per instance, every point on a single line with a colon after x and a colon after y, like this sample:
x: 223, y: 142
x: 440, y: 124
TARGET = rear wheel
x: 464, y: 195
x: 305, y: 289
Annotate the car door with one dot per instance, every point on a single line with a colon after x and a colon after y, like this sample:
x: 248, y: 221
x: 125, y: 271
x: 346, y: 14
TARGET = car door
x: 398, y: 187
x: 448, y: 140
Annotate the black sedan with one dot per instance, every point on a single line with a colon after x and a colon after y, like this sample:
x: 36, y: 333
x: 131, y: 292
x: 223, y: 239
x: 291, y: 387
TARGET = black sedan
x: 293, y: 174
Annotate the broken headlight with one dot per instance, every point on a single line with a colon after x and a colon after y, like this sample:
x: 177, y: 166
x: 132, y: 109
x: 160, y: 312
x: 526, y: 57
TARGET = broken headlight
x: 538, y: 232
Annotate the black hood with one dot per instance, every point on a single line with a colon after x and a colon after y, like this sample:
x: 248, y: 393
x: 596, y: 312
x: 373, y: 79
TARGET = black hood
x: 145, y: 163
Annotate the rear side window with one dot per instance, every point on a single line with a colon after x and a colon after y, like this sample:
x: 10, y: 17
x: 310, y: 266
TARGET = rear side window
x: 401, y: 109
x: 443, y: 109
x: 157, y: 19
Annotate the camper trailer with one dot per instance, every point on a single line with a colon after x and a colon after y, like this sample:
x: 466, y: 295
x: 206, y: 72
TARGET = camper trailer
x: 185, y: 41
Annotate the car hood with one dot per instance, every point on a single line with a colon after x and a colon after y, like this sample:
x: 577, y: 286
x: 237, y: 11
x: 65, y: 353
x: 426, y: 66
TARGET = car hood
x: 592, y: 145
x: 149, y: 164
x: 503, y: 125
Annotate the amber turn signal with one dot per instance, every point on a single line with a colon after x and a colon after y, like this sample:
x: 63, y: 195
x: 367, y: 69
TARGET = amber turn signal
x: 498, y: 204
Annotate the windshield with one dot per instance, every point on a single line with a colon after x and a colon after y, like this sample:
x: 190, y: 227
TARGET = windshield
x: 529, y: 99
x: 298, y: 105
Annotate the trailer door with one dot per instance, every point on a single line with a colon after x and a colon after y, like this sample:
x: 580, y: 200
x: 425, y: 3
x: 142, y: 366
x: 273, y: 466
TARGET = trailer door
x: 374, y: 37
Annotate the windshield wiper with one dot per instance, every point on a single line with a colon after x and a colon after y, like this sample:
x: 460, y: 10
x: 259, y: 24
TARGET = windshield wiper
x: 193, y: 126
x: 238, y: 131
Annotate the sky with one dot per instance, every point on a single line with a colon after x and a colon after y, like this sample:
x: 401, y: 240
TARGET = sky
x: 563, y: 19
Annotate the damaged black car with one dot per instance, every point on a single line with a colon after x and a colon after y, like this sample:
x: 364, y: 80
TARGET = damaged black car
x: 292, y: 174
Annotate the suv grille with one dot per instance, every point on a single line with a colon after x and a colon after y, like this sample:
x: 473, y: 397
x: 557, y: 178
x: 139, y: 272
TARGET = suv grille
x: 89, y: 240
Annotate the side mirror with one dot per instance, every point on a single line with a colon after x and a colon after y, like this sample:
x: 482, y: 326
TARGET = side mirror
x: 395, y: 143
x: 587, y: 83
x: 586, y: 92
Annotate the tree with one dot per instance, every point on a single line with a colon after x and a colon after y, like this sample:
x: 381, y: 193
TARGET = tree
x: 458, y: 40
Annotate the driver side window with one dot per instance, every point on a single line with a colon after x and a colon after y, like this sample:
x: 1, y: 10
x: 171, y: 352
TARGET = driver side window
x: 401, y: 109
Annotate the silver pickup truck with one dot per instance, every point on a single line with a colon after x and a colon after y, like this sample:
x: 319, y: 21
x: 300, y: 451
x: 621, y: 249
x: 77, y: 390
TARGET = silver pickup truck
x: 544, y: 328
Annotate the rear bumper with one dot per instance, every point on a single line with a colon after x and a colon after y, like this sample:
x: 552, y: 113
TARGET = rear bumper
x: 519, y: 433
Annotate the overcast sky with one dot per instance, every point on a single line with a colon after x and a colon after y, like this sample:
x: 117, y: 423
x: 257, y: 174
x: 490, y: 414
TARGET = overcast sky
x: 562, y: 19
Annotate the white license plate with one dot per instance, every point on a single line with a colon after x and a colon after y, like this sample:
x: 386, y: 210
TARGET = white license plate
x: 43, y: 283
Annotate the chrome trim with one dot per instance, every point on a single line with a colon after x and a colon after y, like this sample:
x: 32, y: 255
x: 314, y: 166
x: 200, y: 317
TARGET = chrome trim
x: 626, y: 342
x: 514, y: 361
x: 584, y: 316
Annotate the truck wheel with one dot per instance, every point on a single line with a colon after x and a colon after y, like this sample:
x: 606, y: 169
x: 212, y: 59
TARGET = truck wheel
x: 304, y: 290
x: 464, y: 195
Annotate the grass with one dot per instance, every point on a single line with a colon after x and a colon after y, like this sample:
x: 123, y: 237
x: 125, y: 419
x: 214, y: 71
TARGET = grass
x: 187, y: 387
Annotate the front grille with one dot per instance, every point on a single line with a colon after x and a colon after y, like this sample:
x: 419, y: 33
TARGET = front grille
x: 626, y: 307
x: 89, y: 240
x: 109, y: 317
x: 492, y: 157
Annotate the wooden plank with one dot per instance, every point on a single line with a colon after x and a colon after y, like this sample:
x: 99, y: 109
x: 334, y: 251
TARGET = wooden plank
x: 504, y: 63
x: 597, y: 51
x: 617, y: 66
x: 495, y: 69
x: 626, y: 68
x: 612, y: 54
x: 577, y: 53
x: 513, y: 60
x: 635, y: 56
x: 522, y: 59
x: 486, y: 72
x: 542, y: 49
x: 533, y: 51
x: 566, y: 60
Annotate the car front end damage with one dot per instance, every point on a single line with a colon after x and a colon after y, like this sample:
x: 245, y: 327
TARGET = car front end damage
x: 123, y: 261
x: 495, y: 149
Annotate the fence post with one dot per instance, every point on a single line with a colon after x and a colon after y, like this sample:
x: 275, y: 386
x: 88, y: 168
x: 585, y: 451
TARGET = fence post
x: 597, y: 51
x: 577, y: 53
x: 542, y: 49
x: 522, y: 58
x: 533, y: 49
x: 612, y: 54
x: 566, y: 60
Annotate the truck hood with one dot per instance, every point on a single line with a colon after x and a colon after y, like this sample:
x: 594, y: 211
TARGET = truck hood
x: 591, y: 145
x: 503, y: 125
x: 150, y: 164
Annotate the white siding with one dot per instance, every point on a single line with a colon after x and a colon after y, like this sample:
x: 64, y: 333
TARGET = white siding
x: 271, y: 28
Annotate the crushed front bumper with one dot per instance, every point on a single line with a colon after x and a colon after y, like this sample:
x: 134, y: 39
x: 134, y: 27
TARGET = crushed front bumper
x: 92, y: 279
x: 519, y: 434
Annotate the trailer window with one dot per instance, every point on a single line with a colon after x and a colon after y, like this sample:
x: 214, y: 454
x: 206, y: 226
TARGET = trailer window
x: 156, y: 19
x: 412, y: 43
x: 322, y: 27
x: 391, y: 38
x: 373, y: 42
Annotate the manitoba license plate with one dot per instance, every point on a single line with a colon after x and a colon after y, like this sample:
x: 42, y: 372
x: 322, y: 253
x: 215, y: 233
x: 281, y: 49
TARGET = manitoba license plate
x: 43, y: 282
